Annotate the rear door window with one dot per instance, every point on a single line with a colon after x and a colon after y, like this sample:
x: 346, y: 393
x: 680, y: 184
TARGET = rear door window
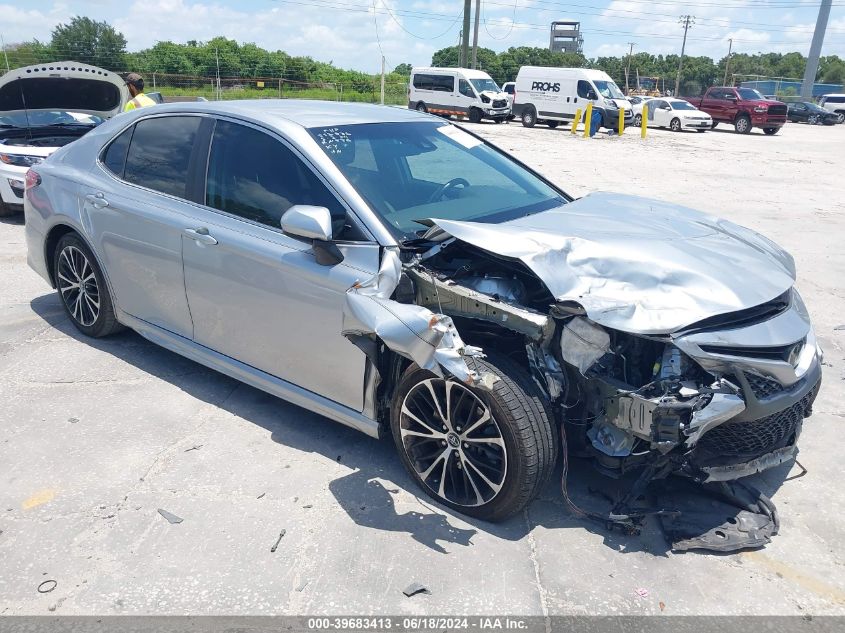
x: 114, y: 158
x: 160, y: 153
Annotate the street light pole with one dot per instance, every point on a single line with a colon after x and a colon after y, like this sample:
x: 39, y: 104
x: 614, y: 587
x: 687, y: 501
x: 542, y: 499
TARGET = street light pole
x: 465, y: 34
x: 728, y: 62
x: 475, y: 34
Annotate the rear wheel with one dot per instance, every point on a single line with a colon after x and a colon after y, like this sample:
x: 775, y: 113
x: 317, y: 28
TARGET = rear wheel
x: 742, y: 125
x: 421, y: 107
x: 6, y: 211
x: 770, y: 131
x: 529, y: 116
x: 475, y: 115
x: 675, y: 125
x: 82, y: 288
x: 483, y: 452
x: 552, y: 124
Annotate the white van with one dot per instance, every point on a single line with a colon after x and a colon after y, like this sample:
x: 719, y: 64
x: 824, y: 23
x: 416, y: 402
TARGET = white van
x: 550, y: 95
x: 457, y: 92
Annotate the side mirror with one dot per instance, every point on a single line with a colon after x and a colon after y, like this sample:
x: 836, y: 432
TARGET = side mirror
x: 314, y: 223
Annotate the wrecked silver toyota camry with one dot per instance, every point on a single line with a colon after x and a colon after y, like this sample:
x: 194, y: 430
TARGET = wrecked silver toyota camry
x: 396, y: 273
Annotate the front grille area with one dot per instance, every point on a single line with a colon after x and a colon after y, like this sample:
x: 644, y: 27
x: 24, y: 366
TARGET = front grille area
x: 763, y: 387
x: 738, y: 442
x: 777, y: 110
x: 500, y: 103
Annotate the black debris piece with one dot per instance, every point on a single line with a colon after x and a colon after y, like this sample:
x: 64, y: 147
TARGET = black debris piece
x: 720, y: 517
x: 73, y: 420
x: 172, y: 518
x: 839, y: 327
x: 261, y: 495
x: 47, y: 586
x: 194, y: 448
x: 301, y: 587
x: 278, y: 540
x: 414, y: 588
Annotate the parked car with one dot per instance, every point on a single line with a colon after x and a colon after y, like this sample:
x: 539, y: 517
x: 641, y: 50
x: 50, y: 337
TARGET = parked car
x: 808, y: 112
x: 457, y: 92
x: 509, y: 88
x: 834, y: 103
x: 676, y: 114
x: 402, y: 276
x: 744, y: 108
x: 44, y: 107
x: 553, y: 95
x: 637, y: 99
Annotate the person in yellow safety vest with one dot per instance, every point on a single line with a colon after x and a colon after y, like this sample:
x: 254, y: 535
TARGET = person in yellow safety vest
x: 135, y: 83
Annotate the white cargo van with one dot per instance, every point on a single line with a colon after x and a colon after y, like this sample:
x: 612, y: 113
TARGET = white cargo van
x: 834, y: 103
x: 457, y: 92
x: 551, y: 95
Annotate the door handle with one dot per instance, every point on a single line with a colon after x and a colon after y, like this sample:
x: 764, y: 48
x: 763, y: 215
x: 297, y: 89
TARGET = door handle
x: 97, y: 200
x: 200, y: 235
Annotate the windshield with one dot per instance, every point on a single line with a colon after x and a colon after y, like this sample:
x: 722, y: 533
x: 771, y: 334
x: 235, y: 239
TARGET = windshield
x: 414, y: 171
x: 481, y: 85
x: 682, y: 105
x: 609, y: 90
x: 749, y: 93
x: 42, y: 118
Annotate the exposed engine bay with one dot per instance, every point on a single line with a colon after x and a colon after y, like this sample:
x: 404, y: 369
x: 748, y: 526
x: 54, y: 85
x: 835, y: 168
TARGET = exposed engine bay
x: 717, y: 399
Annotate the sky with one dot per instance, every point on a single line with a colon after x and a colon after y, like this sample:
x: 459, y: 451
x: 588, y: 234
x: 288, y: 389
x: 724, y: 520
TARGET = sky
x: 356, y: 33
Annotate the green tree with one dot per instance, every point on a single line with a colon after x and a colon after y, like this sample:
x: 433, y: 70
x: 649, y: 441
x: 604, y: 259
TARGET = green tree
x: 91, y: 42
x: 403, y: 69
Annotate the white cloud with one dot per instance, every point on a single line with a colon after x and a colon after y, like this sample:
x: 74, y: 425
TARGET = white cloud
x: 19, y: 25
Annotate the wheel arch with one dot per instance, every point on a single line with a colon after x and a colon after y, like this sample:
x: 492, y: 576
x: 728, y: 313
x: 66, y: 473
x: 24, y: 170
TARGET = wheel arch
x: 54, y: 235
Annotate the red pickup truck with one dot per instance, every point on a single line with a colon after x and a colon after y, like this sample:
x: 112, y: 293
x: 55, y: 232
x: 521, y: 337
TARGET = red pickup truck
x: 744, y: 108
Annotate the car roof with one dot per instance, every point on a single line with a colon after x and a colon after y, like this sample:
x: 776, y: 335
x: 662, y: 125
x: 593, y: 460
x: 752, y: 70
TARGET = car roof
x: 303, y: 112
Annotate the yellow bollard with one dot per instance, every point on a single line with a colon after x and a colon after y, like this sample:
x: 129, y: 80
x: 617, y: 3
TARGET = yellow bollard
x: 621, y: 121
x: 644, y: 117
x: 588, y: 116
x: 575, y: 120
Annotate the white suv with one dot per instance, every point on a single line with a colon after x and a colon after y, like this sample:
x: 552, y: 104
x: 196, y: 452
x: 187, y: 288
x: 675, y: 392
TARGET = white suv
x: 834, y: 103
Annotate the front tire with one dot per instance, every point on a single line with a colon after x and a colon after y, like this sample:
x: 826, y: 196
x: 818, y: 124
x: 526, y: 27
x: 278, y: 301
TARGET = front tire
x: 82, y: 288
x: 483, y: 452
x: 840, y: 117
x: 529, y: 117
x: 638, y: 120
x: 742, y: 125
x: 474, y: 115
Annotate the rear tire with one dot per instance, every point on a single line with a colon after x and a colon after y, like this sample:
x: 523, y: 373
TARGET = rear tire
x: 6, y: 211
x: 552, y: 124
x: 742, y: 125
x: 82, y: 288
x: 515, y: 447
x: 675, y: 125
x: 770, y: 131
x: 474, y: 115
x: 529, y: 116
x: 421, y: 107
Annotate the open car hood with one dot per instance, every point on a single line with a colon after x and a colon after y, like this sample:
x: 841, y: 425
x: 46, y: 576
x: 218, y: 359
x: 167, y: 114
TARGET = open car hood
x: 634, y: 264
x: 67, y: 86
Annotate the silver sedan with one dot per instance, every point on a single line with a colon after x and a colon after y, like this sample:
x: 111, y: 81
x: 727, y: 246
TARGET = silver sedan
x: 402, y: 276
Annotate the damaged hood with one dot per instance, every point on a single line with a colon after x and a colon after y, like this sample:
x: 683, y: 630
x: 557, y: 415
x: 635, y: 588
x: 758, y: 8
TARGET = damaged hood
x: 635, y: 264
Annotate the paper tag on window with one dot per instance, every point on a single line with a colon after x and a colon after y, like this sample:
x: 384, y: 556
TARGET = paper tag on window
x: 459, y: 136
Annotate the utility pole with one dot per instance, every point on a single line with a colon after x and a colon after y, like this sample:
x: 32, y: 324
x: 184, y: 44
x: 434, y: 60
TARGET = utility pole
x: 728, y: 62
x: 687, y: 21
x: 217, y: 60
x: 382, y: 80
x: 465, y: 37
x: 628, y: 66
x: 815, y: 50
x: 475, y: 34
x: 5, y: 56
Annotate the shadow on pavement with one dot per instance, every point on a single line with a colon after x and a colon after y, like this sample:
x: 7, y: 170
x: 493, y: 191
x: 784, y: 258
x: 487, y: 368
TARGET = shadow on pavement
x: 361, y: 493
